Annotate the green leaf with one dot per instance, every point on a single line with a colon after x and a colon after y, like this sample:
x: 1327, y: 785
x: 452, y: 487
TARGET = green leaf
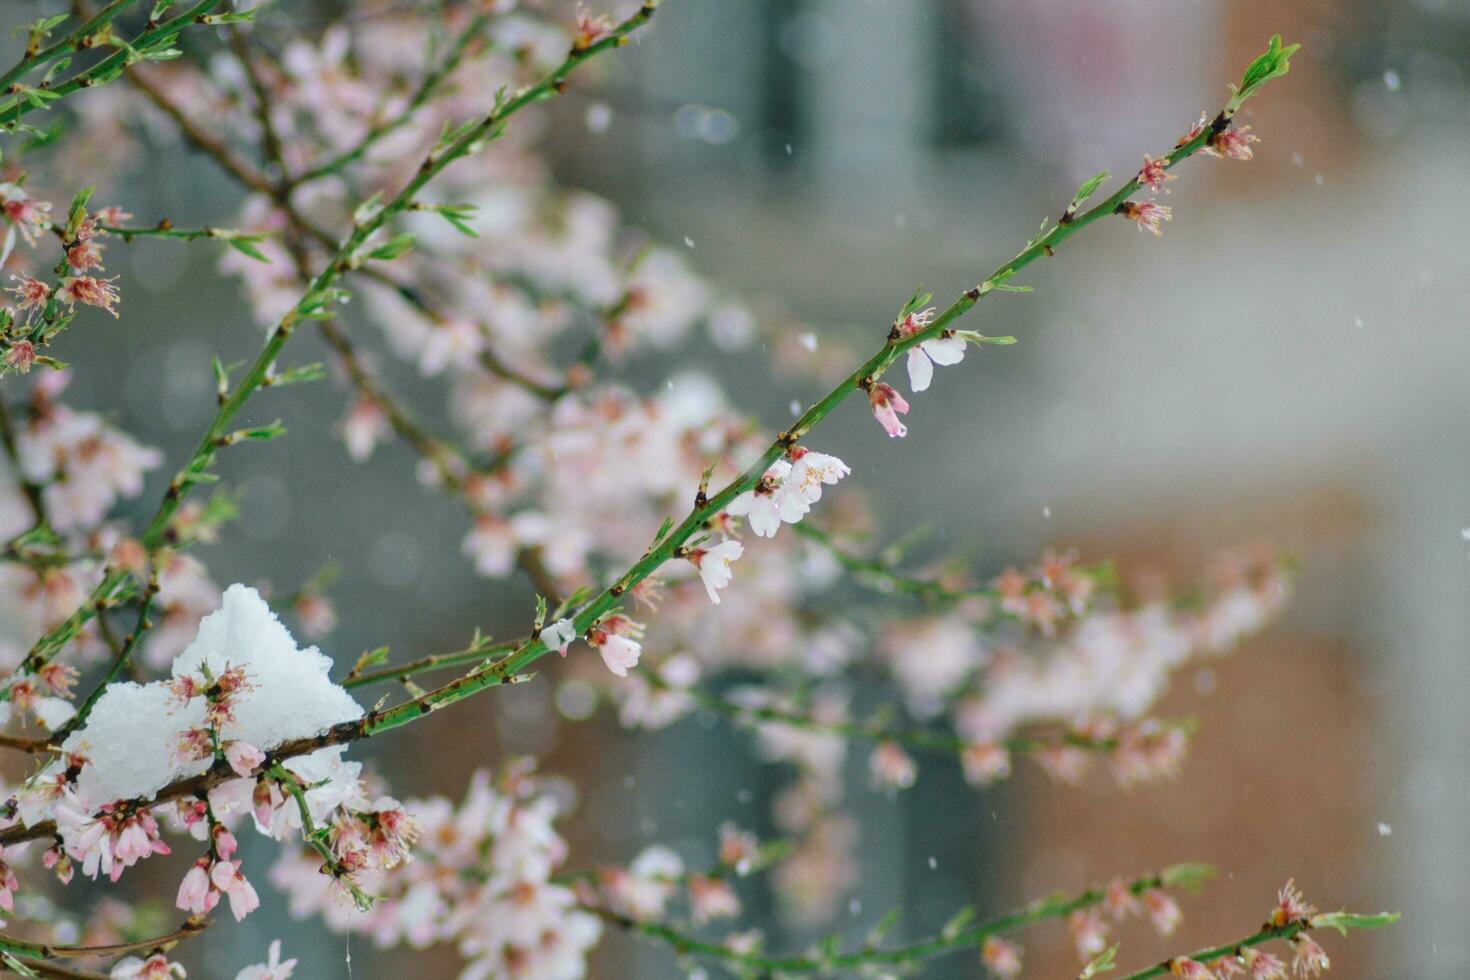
x: 1106, y: 961
x: 1343, y: 921
x: 236, y: 17
x: 971, y: 337
x: 393, y: 247
x: 458, y: 215
x: 1086, y: 191
x: 957, y: 922
x: 245, y: 245
x: 916, y: 302
x: 263, y: 433
x: 370, y: 658
x: 1190, y: 877
x: 368, y: 209
x: 1273, y: 64
x: 16, y: 966
x: 314, y: 371
x: 884, y: 926
x: 43, y: 26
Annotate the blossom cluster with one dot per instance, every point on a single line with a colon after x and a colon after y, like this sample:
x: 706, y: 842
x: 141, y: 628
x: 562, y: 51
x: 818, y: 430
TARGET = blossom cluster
x: 483, y: 878
x: 529, y: 304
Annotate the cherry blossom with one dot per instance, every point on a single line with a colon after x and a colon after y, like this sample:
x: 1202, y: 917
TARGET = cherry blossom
x: 1290, y: 906
x: 616, y: 638
x: 808, y: 473
x: 155, y: 967
x: 1155, y: 174
x: 89, y: 290
x: 243, y: 757
x: 1001, y: 957
x: 1233, y: 143
x: 888, y: 405
x: 226, y: 876
x: 891, y: 767
x: 197, y: 894
x: 272, y: 969
x: 21, y: 356
x: 1188, y: 969
x: 1148, y: 215
x: 1308, y: 959
x: 714, y: 565
x: 764, y: 508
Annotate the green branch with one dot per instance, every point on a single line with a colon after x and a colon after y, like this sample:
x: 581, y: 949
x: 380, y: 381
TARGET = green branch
x: 953, y: 938
x: 317, y: 304
x: 1343, y: 922
x: 427, y: 89
x: 862, y: 379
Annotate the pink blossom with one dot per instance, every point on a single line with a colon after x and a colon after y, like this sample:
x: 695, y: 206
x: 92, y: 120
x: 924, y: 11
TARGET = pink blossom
x: 1193, y: 133
x: 243, y: 757
x: 1064, y: 763
x: 809, y: 472
x: 888, y: 405
x: 392, y: 831
x: 272, y: 969
x: 224, y: 841
x: 20, y: 356
x: 1290, y: 906
x: 9, y: 885
x: 616, y: 638
x: 1163, y: 911
x: 1154, y: 173
x: 618, y: 652
x: 714, y: 565
x: 737, y: 848
x: 1148, y: 215
x: 1001, y: 957
x: 60, y: 678
x: 985, y: 762
x: 712, y: 898
x: 590, y: 28
x: 1188, y: 969
x: 1119, y: 900
x: 1234, y: 144
x: 155, y: 967
x: 193, y: 744
x: 196, y: 895
x: 56, y: 860
x: 89, y: 290
x: 765, y: 507
x: 1309, y: 959
x: 943, y: 350
x: 891, y: 767
x: 84, y: 255
x: 109, y: 842
x: 316, y: 613
x: 1263, y: 966
x: 363, y: 427
x: 227, y: 878
x: 26, y: 215
x: 31, y: 293
x: 110, y: 215
x: 1089, y: 932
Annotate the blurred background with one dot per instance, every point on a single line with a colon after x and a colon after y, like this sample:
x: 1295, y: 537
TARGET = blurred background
x: 1287, y: 363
